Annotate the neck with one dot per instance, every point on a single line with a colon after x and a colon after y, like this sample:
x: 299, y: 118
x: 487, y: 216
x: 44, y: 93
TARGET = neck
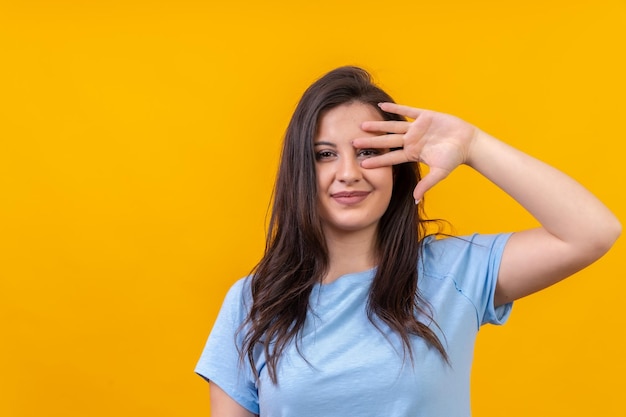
x: 350, y: 252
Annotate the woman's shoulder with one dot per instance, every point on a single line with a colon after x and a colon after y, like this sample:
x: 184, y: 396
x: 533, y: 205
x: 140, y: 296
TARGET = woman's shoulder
x: 441, y: 255
x: 464, y: 269
x: 239, y: 296
x: 241, y: 285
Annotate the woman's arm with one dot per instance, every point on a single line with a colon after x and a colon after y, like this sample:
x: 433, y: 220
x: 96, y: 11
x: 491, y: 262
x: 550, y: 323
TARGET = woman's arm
x: 224, y: 406
x: 576, y: 228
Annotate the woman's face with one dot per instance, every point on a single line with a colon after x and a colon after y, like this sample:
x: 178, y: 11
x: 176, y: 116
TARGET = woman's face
x: 350, y: 198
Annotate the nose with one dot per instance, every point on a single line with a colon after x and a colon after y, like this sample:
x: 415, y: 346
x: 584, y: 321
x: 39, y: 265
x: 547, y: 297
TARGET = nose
x: 349, y: 170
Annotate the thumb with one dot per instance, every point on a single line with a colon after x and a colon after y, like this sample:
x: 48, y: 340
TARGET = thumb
x: 429, y: 181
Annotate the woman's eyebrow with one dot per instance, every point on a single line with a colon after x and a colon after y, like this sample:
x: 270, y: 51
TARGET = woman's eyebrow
x: 324, y: 143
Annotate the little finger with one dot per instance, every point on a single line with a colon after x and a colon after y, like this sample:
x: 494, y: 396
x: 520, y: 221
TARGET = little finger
x: 386, y: 126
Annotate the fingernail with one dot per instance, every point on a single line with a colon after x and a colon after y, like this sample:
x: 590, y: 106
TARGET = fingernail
x: 417, y: 201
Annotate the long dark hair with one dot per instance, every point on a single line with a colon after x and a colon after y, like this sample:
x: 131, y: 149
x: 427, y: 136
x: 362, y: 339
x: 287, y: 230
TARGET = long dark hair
x: 296, y: 256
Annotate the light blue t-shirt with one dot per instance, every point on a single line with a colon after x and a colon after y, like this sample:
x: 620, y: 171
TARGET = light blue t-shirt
x: 351, y: 368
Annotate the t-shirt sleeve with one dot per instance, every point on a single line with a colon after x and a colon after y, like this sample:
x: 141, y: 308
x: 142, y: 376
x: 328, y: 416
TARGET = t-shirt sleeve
x: 473, y: 262
x: 219, y: 362
x: 484, y: 292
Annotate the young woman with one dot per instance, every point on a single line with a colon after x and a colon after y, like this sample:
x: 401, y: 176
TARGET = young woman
x: 353, y: 311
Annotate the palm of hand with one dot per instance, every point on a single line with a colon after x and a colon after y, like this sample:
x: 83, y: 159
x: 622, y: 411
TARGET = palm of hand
x: 439, y: 140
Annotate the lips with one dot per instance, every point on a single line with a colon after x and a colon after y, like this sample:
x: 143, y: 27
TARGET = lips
x: 350, y: 197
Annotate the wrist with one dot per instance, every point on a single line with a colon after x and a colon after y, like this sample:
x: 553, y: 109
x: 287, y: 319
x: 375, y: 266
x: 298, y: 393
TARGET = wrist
x: 476, y: 147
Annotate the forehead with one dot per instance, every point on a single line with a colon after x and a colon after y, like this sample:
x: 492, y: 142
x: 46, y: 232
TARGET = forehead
x: 344, y: 121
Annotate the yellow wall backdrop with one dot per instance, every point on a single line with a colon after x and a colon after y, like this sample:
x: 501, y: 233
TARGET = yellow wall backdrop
x: 138, y: 146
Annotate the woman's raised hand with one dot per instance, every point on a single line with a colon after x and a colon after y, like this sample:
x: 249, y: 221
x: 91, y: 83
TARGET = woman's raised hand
x: 439, y: 140
x: 576, y: 228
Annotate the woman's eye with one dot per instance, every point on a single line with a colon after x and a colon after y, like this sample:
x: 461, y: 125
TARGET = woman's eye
x: 368, y: 153
x: 321, y: 155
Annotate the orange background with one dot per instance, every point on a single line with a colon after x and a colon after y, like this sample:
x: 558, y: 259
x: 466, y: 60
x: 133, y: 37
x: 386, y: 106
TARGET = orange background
x: 138, y: 146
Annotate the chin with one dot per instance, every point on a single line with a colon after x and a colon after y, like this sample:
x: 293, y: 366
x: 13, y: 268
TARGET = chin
x: 350, y: 226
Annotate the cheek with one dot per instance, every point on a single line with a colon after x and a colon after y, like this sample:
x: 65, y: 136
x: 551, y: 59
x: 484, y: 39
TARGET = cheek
x: 322, y: 178
x: 384, y: 179
x: 321, y: 183
x: 386, y: 187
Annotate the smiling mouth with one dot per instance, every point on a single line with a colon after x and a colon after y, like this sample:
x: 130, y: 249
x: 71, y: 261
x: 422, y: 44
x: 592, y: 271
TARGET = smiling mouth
x: 350, y: 194
x: 350, y: 197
